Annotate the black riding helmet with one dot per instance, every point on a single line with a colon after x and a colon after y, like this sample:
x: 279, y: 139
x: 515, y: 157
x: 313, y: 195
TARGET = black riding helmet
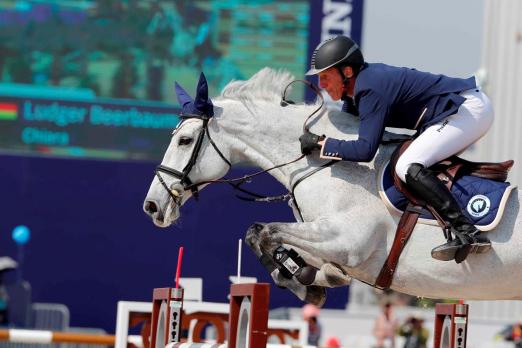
x: 336, y: 51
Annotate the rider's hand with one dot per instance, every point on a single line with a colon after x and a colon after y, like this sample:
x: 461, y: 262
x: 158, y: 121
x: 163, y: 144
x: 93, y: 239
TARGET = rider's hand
x: 310, y: 142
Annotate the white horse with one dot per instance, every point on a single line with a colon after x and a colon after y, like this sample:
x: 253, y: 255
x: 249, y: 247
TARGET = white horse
x: 347, y: 229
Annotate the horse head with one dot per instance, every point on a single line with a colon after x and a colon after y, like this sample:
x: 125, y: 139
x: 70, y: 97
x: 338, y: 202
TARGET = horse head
x: 192, y: 158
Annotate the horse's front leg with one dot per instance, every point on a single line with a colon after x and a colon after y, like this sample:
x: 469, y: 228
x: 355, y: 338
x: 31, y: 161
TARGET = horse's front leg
x: 309, y: 294
x: 292, y: 257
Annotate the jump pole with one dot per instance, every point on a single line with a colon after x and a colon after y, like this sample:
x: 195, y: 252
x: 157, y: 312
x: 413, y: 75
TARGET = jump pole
x: 167, y: 306
x: 48, y: 337
x: 248, y: 318
x: 451, y: 325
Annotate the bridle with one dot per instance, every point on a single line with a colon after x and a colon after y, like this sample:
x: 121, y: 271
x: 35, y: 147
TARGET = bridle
x: 183, y: 176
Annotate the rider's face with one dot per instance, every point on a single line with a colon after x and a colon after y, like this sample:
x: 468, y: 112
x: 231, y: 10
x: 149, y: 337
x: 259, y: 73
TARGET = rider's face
x: 331, y: 81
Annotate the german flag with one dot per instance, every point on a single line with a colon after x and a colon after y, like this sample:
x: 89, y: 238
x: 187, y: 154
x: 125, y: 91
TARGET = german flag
x: 8, y: 111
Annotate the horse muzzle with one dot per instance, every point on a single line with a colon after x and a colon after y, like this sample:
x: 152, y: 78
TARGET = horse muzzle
x: 162, y: 217
x: 152, y: 209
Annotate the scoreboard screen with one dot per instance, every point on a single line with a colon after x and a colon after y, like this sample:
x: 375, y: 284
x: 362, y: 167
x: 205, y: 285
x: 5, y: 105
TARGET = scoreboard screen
x: 85, y: 129
x: 95, y: 78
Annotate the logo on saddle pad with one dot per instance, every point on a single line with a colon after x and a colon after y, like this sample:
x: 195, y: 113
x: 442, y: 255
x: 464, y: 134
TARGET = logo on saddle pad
x: 478, y: 205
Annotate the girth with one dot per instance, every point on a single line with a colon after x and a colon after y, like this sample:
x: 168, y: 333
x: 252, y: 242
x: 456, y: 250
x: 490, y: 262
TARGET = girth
x: 447, y: 171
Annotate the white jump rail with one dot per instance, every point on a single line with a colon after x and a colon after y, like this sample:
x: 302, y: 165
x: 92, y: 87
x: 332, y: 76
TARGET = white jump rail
x: 48, y: 337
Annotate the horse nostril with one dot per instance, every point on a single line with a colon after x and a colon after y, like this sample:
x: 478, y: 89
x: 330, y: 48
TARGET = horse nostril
x: 151, y: 207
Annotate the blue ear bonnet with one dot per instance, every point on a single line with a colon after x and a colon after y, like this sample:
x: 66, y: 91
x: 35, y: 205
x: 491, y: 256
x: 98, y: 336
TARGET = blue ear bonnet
x: 201, y: 105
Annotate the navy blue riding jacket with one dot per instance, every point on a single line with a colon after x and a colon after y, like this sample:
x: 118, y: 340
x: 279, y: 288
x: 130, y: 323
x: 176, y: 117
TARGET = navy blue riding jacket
x: 388, y: 96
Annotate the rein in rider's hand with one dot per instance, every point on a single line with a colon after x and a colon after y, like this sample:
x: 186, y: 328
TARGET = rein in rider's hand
x: 310, y: 142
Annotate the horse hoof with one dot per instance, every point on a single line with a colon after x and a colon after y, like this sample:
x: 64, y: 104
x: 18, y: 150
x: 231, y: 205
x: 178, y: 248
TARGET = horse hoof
x: 315, y: 295
x: 306, y: 276
x: 335, y: 276
x: 256, y: 228
x: 252, y: 235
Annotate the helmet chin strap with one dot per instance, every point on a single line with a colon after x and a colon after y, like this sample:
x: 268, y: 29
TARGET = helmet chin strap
x: 348, y: 101
x: 345, y: 79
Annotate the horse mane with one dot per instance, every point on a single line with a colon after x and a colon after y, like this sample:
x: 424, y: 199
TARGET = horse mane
x: 267, y: 85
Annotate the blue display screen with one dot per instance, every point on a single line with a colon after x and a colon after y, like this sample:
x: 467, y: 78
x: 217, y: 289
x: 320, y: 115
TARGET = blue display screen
x: 95, y: 78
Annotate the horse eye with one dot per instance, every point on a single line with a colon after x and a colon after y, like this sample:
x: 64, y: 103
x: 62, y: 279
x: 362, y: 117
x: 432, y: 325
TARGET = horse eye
x: 184, y: 141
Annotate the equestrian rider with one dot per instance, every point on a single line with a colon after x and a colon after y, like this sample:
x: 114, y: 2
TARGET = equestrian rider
x: 449, y: 114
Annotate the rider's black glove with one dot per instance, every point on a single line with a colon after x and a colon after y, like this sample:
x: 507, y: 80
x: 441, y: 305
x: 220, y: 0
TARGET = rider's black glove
x: 309, y: 142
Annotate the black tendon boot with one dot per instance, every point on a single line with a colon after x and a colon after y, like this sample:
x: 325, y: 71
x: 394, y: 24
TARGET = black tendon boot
x: 423, y: 183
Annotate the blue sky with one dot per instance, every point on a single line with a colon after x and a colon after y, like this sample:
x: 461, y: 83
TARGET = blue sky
x: 442, y: 36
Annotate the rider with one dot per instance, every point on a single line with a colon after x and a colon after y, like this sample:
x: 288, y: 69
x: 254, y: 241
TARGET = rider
x: 448, y: 113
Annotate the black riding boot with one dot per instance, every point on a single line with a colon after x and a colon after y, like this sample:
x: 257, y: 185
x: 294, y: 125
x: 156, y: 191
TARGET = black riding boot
x: 423, y: 183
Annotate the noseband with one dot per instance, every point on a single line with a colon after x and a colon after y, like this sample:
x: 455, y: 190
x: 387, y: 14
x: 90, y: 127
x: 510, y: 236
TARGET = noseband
x: 184, y: 175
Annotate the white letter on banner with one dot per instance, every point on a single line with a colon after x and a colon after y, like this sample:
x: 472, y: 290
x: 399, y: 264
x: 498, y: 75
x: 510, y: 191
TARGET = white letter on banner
x: 336, y: 20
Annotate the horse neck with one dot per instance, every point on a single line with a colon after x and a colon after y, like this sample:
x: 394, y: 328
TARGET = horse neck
x: 265, y: 135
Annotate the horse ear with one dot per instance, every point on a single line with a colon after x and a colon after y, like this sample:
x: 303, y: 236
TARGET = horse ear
x: 202, y: 88
x: 202, y: 102
x: 183, y: 97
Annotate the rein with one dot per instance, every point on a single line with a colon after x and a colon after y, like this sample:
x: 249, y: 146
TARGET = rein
x: 236, y: 183
x: 315, y: 89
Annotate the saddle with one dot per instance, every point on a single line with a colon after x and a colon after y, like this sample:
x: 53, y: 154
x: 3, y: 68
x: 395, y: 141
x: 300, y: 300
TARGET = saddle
x: 448, y: 171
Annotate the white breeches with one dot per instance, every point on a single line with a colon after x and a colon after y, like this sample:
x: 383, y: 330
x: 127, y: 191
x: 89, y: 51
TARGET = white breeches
x: 450, y: 136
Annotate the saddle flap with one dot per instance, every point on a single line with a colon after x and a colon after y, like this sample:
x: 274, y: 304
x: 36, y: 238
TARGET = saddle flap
x: 487, y: 170
x: 482, y: 200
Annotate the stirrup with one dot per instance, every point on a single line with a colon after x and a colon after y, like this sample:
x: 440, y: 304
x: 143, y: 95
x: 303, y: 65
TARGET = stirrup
x: 471, y: 245
x: 460, y: 247
x: 446, y: 251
